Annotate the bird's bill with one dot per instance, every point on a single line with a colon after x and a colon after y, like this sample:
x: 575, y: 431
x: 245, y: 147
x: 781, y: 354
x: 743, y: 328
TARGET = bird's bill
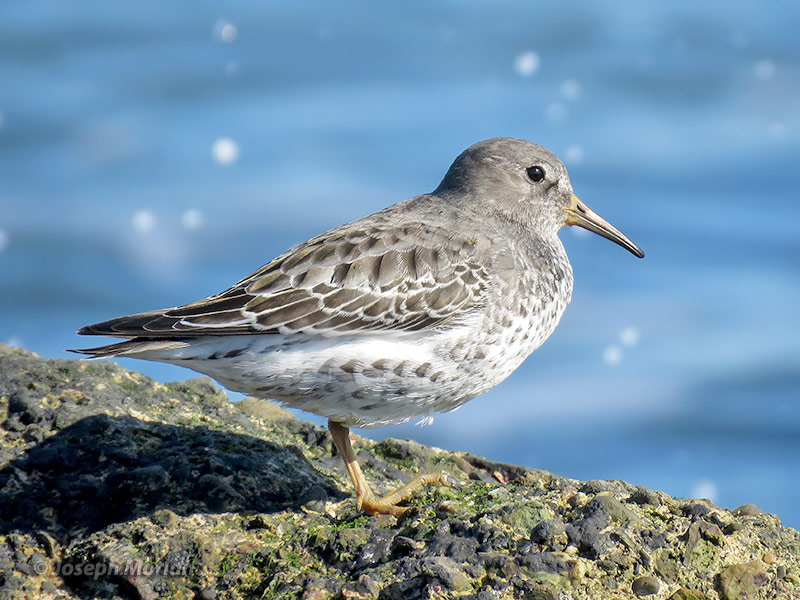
x: 581, y: 215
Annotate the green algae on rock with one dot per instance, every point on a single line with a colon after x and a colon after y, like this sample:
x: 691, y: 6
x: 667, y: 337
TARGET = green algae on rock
x: 113, y: 485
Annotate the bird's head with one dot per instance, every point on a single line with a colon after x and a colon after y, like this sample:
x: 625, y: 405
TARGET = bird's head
x: 526, y: 183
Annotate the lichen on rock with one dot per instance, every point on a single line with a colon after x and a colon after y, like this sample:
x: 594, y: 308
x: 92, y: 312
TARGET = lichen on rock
x: 115, y: 486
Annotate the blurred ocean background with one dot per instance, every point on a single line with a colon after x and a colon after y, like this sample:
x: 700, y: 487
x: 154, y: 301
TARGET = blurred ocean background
x: 154, y: 153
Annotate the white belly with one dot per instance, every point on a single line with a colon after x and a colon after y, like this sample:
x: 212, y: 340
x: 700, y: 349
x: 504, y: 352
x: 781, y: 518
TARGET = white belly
x: 374, y: 379
x: 361, y: 380
x: 379, y: 378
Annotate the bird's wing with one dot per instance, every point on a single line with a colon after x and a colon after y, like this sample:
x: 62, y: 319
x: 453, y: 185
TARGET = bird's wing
x: 352, y: 279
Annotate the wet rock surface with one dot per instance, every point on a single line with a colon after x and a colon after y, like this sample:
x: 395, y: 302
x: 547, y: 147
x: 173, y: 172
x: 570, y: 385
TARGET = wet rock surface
x: 115, y: 486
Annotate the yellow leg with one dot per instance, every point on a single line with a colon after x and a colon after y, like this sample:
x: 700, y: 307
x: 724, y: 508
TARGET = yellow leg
x: 365, y: 499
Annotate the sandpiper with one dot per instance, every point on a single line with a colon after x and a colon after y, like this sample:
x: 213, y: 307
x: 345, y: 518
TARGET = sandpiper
x: 407, y: 312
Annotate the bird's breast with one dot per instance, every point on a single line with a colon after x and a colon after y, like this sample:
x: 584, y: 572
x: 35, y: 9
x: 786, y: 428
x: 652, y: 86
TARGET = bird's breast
x: 524, y: 305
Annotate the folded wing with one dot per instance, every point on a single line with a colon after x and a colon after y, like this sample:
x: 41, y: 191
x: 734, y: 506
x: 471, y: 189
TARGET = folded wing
x: 378, y: 278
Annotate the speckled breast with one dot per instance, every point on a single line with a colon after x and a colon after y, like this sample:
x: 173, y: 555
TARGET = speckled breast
x: 528, y: 304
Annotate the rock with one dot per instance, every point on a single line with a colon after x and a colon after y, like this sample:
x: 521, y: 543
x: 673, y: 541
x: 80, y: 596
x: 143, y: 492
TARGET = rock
x: 220, y: 495
x: 748, y: 510
x: 642, y: 495
x: 173, y: 491
x: 647, y: 585
x: 550, y: 533
x: 742, y: 581
x: 313, y: 499
x: 549, y: 562
x: 164, y: 517
x: 446, y: 571
x: 687, y: 594
x: 23, y: 404
x: 607, y: 507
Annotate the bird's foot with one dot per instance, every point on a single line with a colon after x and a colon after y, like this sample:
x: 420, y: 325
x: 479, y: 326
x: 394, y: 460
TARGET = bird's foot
x: 366, y: 500
x: 387, y: 505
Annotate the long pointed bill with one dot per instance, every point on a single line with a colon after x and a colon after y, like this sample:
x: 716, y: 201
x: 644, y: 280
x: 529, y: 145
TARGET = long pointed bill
x: 581, y: 215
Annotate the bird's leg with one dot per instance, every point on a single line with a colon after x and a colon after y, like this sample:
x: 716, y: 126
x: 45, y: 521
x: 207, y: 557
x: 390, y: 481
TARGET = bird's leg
x: 341, y: 438
x: 365, y: 499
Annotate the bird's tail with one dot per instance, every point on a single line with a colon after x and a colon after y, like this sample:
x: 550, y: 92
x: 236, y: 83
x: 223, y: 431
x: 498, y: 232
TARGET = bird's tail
x: 134, y: 348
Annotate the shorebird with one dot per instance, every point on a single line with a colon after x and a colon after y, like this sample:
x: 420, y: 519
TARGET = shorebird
x: 402, y: 314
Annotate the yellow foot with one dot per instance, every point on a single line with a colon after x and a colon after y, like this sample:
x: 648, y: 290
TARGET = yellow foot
x: 366, y: 500
x: 387, y: 505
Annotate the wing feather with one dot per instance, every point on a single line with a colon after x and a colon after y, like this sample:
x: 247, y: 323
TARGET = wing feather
x: 349, y: 280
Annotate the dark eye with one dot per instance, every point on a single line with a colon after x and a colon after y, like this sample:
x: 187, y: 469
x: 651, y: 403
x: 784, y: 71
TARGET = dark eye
x: 536, y: 173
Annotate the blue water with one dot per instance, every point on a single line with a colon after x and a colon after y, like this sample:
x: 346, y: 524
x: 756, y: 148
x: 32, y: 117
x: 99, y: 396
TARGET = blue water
x: 679, y: 123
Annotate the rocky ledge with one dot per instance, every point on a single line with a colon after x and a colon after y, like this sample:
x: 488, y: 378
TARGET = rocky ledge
x: 115, y: 486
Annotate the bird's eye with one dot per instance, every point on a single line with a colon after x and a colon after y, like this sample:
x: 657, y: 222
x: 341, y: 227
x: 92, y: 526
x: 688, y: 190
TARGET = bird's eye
x: 536, y: 173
